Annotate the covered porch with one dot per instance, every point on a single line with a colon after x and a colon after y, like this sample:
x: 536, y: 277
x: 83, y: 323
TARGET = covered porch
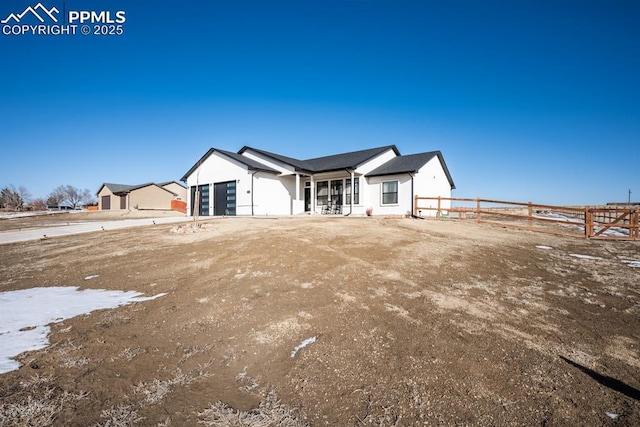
x: 336, y: 193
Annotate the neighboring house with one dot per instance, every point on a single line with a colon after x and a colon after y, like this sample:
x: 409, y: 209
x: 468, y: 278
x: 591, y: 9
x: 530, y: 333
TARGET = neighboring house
x: 257, y: 182
x: 144, y: 196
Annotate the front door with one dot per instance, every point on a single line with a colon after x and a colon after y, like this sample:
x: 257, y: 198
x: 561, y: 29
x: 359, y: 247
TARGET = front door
x: 224, y: 198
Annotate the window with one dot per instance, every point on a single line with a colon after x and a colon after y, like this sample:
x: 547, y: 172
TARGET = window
x: 322, y: 193
x: 390, y: 192
x: 356, y: 191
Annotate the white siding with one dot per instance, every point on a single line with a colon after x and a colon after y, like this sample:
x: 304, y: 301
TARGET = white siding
x: 219, y: 168
x: 268, y: 161
x: 270, y: 197
x: 368, y: 195
x: 374, y: 195
x: 431, y: 181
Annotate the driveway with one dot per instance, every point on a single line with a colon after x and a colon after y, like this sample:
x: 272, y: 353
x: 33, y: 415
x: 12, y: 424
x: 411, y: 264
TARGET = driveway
x: 14, y: 236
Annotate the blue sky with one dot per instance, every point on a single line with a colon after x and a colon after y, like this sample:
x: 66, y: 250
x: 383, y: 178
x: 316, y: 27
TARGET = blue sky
x: 527, y: 100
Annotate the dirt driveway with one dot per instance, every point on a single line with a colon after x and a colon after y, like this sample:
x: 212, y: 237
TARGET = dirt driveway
x: 333, y: 321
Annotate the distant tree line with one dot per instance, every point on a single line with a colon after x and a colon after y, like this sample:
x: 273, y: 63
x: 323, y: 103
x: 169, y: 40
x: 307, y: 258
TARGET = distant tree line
x: 18, y: 198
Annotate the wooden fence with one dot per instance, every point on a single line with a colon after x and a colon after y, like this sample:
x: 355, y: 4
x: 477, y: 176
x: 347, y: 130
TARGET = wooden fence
x: 609, y: 223
x: 179, y: 205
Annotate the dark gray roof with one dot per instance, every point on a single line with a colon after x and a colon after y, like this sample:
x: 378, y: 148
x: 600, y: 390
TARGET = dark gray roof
x: 334, y: 162
x: 299, y: 165
x: 347, y: 160
x: 249, y: 163
x: 118, y: 188
x: 410, y: 164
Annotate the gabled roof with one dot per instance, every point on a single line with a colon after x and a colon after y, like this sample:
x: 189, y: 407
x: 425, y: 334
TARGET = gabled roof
x: 334, y: 162
x: 162, y: 184
x: 120, y: 189
x: 299, y: 165
x: 347, y: 160
x: 251, y: 165
x: 117, y: 188
x: 411, y: 163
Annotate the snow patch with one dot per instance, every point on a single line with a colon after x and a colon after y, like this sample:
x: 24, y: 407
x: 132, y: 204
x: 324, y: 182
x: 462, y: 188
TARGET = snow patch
x: 302, y: 345
x: 544, y: 247
x: 584, y: 256
x: 630, y: 263
x: 25, y: 315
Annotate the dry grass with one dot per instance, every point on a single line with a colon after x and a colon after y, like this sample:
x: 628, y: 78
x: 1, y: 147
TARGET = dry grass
x: 270, y: 413
x: 36, y: 403
x: 155, y: 391
x: 120, y: 416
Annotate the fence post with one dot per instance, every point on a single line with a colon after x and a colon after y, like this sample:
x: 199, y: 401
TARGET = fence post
x: 588, y: 222
x: 439, y: 214
x: 415, y: 205
x: 478, y: 209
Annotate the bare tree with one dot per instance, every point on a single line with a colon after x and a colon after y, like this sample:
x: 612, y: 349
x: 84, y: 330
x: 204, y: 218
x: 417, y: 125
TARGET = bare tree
x: 56, y: 197
x: 14, y: 198
x: 70, y: 195
x: 39, y: 204
x: 87, y: 198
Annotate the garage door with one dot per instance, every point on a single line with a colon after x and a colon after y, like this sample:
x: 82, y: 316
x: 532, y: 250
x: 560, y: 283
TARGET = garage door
x: 203, y: 202
x: 224, y: 202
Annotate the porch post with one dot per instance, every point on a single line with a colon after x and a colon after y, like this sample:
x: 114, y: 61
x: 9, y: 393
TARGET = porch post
x: 313, y: 194
x: 353, y: 192
x: 297, y: 186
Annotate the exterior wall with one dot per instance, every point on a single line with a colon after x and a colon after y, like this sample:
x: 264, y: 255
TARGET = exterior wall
x: 273, y: 195
x: 219, y: 168
x: 179, y: 190
x: 374, y: 195
x: 431, y: 181
x: 150, y: 197
x: 115, y: 200
x: 268, y: 161
x: 267, y: 192
x: 369, y: 197
x: 377, y: 161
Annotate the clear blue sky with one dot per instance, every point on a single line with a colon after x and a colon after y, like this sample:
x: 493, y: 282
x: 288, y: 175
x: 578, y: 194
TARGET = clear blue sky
x: 527, y: 100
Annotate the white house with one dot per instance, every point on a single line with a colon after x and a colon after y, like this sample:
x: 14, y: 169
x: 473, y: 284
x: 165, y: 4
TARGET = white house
x: 257, y: 182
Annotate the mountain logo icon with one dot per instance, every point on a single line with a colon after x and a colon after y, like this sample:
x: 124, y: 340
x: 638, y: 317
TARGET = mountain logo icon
x: 38, y: 11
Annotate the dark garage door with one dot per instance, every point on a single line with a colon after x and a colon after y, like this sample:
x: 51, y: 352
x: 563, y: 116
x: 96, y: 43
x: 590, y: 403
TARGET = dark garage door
x: 224, y: 202
x: 203, y: 203
x: 106, y: 203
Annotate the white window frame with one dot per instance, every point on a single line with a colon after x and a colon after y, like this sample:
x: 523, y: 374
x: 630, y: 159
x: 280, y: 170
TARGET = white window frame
x: 397, y: 192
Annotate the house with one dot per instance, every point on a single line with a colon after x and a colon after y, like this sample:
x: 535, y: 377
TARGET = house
x: 258, y: 182
x: 145, y: 196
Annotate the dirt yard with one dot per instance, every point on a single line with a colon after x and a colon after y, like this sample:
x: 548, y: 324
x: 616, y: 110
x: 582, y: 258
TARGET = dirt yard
x: 416, y: 322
